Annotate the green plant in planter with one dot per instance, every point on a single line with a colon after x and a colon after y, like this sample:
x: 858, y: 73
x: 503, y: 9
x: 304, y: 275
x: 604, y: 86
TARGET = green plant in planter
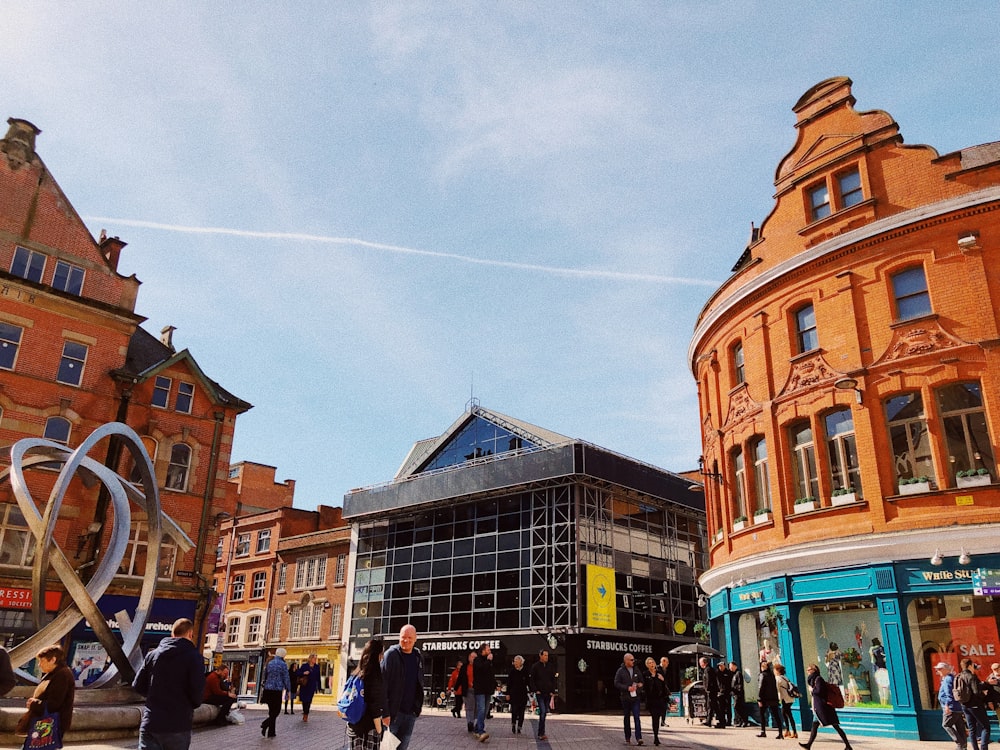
x: 691, y: 674
x: 843, y: 491
x: 804, y: 500
x: 973, y: 473
x: 762, y: 511
x: 740, y: 519
x: 701, y: 631
x: 916, y: 480
x: 773, y: 619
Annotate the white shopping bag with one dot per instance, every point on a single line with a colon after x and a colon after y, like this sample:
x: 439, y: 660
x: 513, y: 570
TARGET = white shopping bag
x: 389, y: 741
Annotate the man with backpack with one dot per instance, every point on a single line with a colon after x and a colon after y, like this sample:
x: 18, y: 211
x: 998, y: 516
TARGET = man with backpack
x: 970, y: 692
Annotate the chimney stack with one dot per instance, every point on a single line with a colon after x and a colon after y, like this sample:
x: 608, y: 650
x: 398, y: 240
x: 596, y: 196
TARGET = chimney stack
x: 19, y: 143
x: 167, y: 337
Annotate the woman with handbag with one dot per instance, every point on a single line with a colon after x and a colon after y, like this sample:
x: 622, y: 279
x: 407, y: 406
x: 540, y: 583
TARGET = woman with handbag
x: 307, y: 678
x: 823, y: 713
x: 367, y: 733
x: 787, y: 693
x: 53, y: 695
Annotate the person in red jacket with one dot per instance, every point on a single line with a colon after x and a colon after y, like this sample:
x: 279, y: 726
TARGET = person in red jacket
x: 456, y: 688
x: 219, y: 692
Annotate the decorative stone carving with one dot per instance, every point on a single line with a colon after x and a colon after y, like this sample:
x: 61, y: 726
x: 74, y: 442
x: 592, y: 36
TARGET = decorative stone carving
x: 808, y: 373
x: 927, y: 336
x: 740, y: 405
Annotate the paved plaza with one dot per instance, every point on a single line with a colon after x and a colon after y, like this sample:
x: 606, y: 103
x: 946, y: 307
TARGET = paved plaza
x: 437, y: 730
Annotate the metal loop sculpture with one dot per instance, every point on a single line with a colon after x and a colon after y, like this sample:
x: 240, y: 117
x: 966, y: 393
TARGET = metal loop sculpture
x: 31, y: 452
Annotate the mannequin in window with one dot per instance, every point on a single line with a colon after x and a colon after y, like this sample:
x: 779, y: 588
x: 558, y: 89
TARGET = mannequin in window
x: 834, y: 668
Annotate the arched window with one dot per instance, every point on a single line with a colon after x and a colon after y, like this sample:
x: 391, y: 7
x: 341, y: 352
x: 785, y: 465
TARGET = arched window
x: 151, y: 447
x: 739, y: 374
x: 740, y: 494
x: 909, y: 436
x: 761, y: 484
x: 804, y: 460
x: 57, y: 430
x: 845, y: 473
x: 180, y: 464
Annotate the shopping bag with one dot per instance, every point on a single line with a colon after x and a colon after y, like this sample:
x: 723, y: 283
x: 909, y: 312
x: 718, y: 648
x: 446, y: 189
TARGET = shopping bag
x: 389, y: 741
x: 43, y: 732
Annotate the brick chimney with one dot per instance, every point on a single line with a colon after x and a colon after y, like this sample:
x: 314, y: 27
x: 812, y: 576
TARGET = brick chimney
x: 111, y: 249
x: 167, y: 337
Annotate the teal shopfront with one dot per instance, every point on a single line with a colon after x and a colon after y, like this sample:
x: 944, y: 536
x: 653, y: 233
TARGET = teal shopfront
x: 881, y: 627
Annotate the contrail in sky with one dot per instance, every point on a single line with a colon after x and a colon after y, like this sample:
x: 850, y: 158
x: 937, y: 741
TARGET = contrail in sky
x: 581, y: 272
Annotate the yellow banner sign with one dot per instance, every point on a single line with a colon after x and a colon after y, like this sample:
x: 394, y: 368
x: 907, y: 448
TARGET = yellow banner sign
x: 601, y: 605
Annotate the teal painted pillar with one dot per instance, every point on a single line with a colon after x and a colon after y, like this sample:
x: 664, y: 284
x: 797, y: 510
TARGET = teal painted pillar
x: 899, y: 661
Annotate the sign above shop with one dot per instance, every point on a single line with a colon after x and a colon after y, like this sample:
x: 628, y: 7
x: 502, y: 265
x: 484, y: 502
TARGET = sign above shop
x: 986, y: 582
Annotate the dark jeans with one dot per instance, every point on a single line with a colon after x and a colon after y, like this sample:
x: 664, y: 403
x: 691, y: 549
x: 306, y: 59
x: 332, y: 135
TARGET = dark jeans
x: 979, y: 726
x: 815, y: 729
x: 954, y: 724
x: 724, y: 714
x: 775, y: 711
x: 402, y: 727
x: 788, y: 718
x: 630, y: 708
x: 740, y: 709
x: 273, y: 700
x: 306, y: 700
x: 543, y: 709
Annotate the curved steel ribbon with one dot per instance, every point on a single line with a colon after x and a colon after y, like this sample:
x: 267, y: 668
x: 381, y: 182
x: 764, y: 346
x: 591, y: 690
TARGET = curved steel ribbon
x: 29, y: 452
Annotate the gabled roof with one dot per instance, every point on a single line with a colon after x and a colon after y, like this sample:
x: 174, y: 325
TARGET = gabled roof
x: 424, y: 450
x: 147, y: 356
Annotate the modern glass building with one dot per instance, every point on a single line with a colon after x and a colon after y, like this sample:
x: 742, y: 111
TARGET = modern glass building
x: 505, y: 532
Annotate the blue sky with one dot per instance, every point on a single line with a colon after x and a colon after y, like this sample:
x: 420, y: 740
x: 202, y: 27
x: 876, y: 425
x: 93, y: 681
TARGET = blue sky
x: 358, y: 215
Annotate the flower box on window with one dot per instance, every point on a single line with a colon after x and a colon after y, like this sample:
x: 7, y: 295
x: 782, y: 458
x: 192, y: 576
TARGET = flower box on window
x: 841, y: 497
x: 804, y: 504
x: 739, y: 523
x: 762, y: 515
x: 914, y: 486
x: 718, y: 536
x: 973, y: 478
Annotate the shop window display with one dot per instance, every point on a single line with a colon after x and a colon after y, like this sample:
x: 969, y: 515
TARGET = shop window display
x: 951, y: 628
x: 844, y: 639
x: 759, y: 642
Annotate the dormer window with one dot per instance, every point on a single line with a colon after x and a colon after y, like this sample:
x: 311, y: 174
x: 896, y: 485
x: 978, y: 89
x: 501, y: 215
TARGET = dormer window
x: 819, y: 201
x: 849, y: 185
x: 834, y: 193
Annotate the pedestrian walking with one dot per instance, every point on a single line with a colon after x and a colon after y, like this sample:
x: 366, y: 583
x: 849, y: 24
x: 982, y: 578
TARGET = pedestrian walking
x: 823, y: 713
x: 403, y: 675
x: 710, y: 681
x: 654, y: 683
x: 967, y: 683
x: 737, y: 687
x: 517, y: 694
x: 55, y: 692
x: 308, y: 679
x: 785, y: 695
x: 456, y: 689
x: 628, y: 682
x: 465, y: 681
x: 725, y: 678
x: 542, y: 681
x: 172, y: 678
x: 484, y: 683
x: 952, y: 715
x: 276, y: 682
x: 367, y: 733
x: 663, y: 669
x: 292, y: 693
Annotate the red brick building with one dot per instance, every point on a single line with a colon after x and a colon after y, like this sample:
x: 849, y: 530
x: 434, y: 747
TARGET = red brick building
x: 284, y: 573
x: 849, y: 379
x: 74, y: 357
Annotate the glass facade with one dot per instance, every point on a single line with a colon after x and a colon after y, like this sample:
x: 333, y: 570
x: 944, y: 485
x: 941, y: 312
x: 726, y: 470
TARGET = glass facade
x: 513, y: 563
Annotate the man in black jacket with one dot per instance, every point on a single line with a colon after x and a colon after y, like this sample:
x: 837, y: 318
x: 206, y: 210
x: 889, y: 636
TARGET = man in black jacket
x: 543, y: 685
x: 172, y: 677
x: 710, y: 680
x: 403, y: 677
x: 484, y: 684
x: 725, y: 715
x: 738, y: 689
